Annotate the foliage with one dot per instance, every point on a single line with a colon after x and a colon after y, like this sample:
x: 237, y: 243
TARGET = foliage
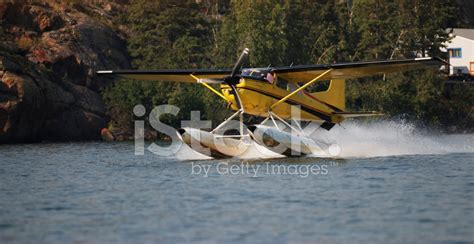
x: 212, y: 33
x: 258, y: 25
x: 166, y: 34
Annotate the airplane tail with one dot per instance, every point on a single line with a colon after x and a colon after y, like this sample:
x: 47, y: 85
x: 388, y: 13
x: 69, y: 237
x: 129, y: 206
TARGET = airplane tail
x: 335, y: 96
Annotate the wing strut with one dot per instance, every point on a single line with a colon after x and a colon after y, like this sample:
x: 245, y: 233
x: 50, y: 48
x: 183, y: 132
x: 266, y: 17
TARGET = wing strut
x: 209, y: 87
x: 301, y: 88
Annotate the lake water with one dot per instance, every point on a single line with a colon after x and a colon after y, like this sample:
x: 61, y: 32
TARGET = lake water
x: 381, y: 189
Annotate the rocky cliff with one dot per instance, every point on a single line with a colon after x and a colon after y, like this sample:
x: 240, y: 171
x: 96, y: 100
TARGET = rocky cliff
x: 49, y: 52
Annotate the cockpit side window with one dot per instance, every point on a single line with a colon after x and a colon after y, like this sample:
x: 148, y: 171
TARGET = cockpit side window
x: 282, y: 83
x: 256, y: 74
x: 319, y: 86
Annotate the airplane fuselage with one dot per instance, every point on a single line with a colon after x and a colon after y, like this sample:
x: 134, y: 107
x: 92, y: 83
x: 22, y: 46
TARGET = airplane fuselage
x: 257, y: 97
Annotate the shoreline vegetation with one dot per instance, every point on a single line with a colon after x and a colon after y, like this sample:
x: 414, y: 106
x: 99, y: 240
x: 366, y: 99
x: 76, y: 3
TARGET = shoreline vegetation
x: 59, y: 45
x: 282, y: 33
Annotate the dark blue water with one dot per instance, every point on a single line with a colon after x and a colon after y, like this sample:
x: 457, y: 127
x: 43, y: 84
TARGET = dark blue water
x: 99, y: 192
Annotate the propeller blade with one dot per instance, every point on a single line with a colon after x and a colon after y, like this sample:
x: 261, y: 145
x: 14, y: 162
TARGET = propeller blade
x: 240, y: 61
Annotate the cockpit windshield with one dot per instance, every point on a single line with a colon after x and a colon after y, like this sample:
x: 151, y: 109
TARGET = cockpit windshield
x: 258, y: 74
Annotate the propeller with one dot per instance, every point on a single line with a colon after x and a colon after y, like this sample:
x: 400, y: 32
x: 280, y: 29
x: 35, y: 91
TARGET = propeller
x: 240, y: 61
x: 231, y: 80
x: 234, y: 78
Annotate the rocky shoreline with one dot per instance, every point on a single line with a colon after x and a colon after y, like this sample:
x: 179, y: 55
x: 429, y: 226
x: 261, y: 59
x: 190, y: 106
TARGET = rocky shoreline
x: 48, y: 56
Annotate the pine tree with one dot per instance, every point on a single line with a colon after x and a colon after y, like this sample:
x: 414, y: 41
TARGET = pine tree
x: 425, y: 26
x: 259, y: 26
x: 165, y: 34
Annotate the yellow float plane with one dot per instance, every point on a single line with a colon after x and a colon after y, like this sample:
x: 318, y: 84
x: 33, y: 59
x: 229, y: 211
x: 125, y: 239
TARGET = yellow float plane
x: 271, y: 93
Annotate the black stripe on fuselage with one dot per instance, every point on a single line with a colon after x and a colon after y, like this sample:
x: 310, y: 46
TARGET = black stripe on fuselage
x: 327, y: 104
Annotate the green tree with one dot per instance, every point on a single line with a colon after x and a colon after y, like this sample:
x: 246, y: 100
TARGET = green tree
x: 258, y: 25
x: 165, y: 35
x: 424, y: 25
x: 405, y: 29
x: 379, y: 27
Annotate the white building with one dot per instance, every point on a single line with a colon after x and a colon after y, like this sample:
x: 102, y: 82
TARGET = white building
x: 461, y: 52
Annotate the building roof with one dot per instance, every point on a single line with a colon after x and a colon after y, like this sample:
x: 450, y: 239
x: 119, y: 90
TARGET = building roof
x: 466, y: 33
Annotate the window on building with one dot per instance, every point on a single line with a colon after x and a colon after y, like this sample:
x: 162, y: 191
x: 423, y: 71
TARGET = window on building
x: 455, y: 53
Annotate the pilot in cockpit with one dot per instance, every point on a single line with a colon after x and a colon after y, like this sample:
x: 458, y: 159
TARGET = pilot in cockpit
x: 270, y: 77
x: 259, y: 74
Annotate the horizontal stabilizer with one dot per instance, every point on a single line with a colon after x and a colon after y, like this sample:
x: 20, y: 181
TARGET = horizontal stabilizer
x: 358, y: 114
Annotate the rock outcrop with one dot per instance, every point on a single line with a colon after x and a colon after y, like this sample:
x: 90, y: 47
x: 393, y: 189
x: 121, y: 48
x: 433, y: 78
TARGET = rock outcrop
x: 48, y: 56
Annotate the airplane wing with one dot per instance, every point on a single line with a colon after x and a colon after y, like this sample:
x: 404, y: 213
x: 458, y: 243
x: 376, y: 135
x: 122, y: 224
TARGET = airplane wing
x: 305, y: 73
x: 170, y: 75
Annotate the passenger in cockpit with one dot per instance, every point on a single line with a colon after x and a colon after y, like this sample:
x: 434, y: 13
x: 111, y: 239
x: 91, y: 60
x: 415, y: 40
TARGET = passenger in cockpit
x: 270, y: 77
